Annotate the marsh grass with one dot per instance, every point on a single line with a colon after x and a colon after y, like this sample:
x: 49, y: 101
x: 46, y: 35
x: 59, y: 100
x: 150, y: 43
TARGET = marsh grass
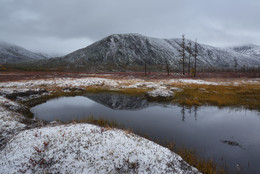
x: 246, y: 96
x: 57, y: 92
x: 243, y: 95
x: 207, y: 166
x: 101, y: 122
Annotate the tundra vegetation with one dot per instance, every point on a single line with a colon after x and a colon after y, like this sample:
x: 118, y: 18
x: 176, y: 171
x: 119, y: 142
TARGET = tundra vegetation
x: 238, y: 93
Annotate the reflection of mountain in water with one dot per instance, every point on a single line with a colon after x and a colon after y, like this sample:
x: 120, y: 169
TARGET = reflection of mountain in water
x: 119, y: 101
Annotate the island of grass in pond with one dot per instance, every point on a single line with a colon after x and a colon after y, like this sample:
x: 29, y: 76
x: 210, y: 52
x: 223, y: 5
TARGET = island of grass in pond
x: 227, y: 136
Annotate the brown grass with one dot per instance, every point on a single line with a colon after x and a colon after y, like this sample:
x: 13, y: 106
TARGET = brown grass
x: 101, y: 122
x: 191, y: 157
x: 246, y: 95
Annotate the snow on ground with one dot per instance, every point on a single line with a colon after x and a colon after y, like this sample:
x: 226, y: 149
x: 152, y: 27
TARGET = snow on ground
x: 77, y: 148
x: 141, y: 84
x: 61, y: 82
x: 34, y: 85
x: 85, y: 148
x: 10, y: 122
x: 192, y: 81
x: 160, y: 92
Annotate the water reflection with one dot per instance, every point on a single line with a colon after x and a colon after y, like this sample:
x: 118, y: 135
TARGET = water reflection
x: 213, y: 132
x: 119, y: 101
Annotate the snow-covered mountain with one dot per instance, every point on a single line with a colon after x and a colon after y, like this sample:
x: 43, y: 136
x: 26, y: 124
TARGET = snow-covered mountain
x: 49, y: 55
x: 10, y: 53
x: 132, y: 51
x: 253, y: 50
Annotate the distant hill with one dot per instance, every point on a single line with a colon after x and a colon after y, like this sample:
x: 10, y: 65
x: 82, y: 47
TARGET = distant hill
x: 122, y: 52
x: 10, y: 53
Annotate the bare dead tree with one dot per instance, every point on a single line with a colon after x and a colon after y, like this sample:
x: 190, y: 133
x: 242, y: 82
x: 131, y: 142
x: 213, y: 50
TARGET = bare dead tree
x: 145, y: 70
x: 195, y: 57
x: 167, y: 66
x: 190, y: 54
x: 235, y: 64
x: 182, y: 54
x: 77, y: 64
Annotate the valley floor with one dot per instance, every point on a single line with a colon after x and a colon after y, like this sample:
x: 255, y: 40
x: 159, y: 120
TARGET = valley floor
x: 28, y: 145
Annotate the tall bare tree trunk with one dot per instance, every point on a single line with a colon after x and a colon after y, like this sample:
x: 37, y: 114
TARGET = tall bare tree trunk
x: 145, y: 68
x: 190, y: 53
x: 183, y: 54
x: 235, y: 64
x: 195, y: 57
x: 167, y: 67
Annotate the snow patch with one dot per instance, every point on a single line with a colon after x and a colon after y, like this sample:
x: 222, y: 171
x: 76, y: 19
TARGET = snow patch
x: 161, y: 92
x: 9, y: 121
x: 84, y: 148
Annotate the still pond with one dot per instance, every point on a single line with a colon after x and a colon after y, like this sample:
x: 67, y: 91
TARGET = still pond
x: 229, y: 136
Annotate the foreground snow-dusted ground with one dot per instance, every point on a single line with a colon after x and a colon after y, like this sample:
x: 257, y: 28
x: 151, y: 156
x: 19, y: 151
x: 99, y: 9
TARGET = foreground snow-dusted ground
x: 84, y: 148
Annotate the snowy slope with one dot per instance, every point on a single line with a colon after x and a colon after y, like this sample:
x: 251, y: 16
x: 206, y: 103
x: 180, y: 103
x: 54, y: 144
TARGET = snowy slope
x: 14, y: 54
x: 49, y: 55
x: 253, y: 50
x: 121, y: 51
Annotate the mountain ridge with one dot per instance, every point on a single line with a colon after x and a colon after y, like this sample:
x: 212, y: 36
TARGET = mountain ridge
x: 123, y: 52
x: 120, y: 51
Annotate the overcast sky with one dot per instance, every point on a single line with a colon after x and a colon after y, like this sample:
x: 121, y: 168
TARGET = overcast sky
x: 63, y: 26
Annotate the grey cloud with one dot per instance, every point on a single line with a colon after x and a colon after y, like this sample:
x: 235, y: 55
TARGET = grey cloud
x: 71, y: 24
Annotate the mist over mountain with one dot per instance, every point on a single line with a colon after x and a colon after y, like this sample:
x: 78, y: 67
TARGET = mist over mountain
x: 10, y: 53
x: 13, y: 54
x: 251, y: 49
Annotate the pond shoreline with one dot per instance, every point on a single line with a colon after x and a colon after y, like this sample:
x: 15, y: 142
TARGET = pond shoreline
x: 27, y: 92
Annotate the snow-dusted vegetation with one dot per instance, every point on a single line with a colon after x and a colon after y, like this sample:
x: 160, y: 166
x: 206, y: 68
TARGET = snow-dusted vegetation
x: 84, y: 148
x: 77, y: 148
